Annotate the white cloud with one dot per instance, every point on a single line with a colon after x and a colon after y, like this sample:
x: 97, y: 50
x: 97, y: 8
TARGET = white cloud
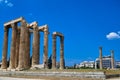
x: 113, y: 35
x: 1, y: 1
x: 10, y: 4
x: 6, y: 3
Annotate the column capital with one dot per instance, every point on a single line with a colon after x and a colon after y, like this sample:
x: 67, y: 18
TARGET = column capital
x: 14, y: 25
x: 5, y: 28
x: 54, y: 36
x: 35, y: 28
x: 33, y: 24
x: 100, y: 47
x: 23, y: 23
x: 112, y: 51
x: 46, y: 30
x: 62, y: 37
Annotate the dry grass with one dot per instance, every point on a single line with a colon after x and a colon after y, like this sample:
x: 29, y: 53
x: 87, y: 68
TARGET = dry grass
x: 107, y: 72
x: 66, y: 70
x: 79, y: 70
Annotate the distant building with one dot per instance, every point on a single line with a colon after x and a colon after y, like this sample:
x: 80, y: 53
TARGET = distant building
x: 117, y: 64
x: 106, y: 62
x: 86, y: 64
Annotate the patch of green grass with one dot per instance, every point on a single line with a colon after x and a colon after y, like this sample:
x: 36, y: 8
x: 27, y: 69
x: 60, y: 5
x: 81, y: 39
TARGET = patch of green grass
x: 67, y: 70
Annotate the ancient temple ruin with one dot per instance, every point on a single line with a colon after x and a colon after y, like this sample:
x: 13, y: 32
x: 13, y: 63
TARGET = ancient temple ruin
x: 20, y: 45
x: 101, y: 59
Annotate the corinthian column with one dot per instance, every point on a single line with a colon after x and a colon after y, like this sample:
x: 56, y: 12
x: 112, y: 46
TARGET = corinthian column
x: 13, y: 46
x: 35, y: 55
x: 54, y: 52
x: 27, y: 48
x: 100, y: 57
x: 22, y: 46
x: 5, y: 47
x: 46, y: 47
x: 112, y: 59
x: 61, y: 52
x: 17, y: 48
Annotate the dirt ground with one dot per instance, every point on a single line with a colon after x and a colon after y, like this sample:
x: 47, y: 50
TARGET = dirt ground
x: 51, y: 78
x: 54, y: 78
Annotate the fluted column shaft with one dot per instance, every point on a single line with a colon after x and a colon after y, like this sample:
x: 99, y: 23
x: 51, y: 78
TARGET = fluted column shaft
x: 27, y: 48
x: 22, y: 45
x: 35, y: 55
x: 62, y: 52
x: 13, y: 47
x: 54, y: 53
x: 5, y: 49
x: 17, y: 48
x: 112, y: 59
x: 100, y: 57
x: 46, y: 48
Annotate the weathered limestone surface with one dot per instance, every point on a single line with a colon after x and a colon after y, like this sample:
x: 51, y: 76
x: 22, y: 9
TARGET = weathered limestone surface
x: 54, y: 53
x: 27, y: 48
x: 13, y: 46
x: 62, y: 53
x: 35, y: 55
x: 5, y: 47
x: 17, y: 48
x: 100, y: 57
x: 46, y: 47
x: 22, y: 45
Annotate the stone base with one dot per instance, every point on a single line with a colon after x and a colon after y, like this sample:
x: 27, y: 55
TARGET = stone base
x: 3, y: 69
x: 54, y: 68
x: 13, y: 69
x: 19, y: 69
x: 9, y: 69
x: 94, y: 75
x: 35, y: 67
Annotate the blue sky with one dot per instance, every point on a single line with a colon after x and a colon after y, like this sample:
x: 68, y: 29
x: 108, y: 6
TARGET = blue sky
x: 86, y: 25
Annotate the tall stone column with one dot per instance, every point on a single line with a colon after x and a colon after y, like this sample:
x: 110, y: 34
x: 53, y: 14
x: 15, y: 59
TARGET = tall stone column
x: 61, y: 52
x: 13, y: 46
x: 95, y: 65
x: 46, y: 48
x: 27, y: 49
x: 112, y: 59
x: 100, y: 57
x: 54, y: 52
x: 35, y: 55
x: 22, y: 45
x: 17, y: 48
x: 5, y: 49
